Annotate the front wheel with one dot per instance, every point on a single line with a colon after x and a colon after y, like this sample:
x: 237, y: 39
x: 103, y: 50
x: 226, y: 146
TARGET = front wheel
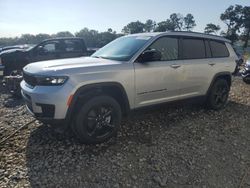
x: 97, y: 120
x: 218, y: 95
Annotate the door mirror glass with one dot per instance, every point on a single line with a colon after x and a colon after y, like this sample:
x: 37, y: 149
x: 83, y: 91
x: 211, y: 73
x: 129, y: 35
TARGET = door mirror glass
x: 150, y: 55
x: 40, y: 50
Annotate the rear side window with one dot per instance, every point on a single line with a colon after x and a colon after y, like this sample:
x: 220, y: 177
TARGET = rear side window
x: 168, y: 47
x: 73, y: 46
x: 193, y: 49
x: 219, y: 49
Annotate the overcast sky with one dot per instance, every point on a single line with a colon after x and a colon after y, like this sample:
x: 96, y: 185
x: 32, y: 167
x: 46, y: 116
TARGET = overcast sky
x: 50, y: 16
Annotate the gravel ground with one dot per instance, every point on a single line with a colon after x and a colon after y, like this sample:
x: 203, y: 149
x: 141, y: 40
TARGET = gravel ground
x: 178, y: 145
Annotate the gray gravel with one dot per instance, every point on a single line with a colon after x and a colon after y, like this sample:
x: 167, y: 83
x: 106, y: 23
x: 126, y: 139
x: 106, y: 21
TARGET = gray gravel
x: 178, y: 145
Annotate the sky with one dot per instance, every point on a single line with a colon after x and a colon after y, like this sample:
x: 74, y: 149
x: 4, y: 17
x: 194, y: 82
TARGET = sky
x: 51, y: 16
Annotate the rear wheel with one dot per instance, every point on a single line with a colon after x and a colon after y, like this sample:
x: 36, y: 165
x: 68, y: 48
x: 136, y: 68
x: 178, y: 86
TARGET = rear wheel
x: 97, y: 120
x: 218, y: 95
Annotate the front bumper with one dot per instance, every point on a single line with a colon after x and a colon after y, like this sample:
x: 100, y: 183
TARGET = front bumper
x: 46, y: 102
x: 1, y: 71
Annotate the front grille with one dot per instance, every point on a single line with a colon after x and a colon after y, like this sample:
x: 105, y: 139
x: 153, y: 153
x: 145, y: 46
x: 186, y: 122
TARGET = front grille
x: 29, y: 79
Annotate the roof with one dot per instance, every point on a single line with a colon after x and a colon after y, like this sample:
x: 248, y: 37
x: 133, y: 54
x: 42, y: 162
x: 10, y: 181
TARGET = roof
x: 184, y: 33
x: 65, y: 38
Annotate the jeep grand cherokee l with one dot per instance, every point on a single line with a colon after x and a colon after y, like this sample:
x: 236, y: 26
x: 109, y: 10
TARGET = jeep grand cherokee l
x: 90, y: 94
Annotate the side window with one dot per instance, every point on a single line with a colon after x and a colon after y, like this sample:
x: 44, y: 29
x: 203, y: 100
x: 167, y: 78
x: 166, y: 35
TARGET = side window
x: 168, y: 47
x: 50, y: 47
x: 73, y: 46
x: 193, y: 48
x: 219, y: 49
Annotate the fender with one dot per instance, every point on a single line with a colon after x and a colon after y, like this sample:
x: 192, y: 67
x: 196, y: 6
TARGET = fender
x: 96, y: 89
x: 216, y: 76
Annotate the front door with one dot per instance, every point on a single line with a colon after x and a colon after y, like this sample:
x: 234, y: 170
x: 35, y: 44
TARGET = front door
x: 47, y: 50
x: 158, y: 81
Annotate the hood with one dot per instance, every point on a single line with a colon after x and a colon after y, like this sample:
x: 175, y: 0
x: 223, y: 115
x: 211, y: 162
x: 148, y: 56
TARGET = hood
x: 67, y: 65
x: 11, y: 51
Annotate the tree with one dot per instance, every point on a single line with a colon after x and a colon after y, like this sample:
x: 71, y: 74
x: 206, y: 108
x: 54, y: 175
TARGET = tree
x: 165, y: 26
x: 176, y: 20
x: 246, y: 24
x: 40, y: 37
x: 232, y: 17
x: 149, y: 26
x: 90, y: 36
x: 133, y: 27
x: 211, y: 28
x: 26, y: 39
x: 64, y: 34
x: 189, y: 22
x: 104, y: 38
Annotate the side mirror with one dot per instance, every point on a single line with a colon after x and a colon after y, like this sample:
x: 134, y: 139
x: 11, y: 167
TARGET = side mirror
x: 150, y: 55
x: 40, y: 50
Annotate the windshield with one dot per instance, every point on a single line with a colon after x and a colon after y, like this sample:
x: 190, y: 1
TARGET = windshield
x: 122, y: 49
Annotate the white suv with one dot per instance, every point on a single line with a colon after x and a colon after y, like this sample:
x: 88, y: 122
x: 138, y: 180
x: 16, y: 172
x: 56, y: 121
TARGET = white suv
x: 90, y: 94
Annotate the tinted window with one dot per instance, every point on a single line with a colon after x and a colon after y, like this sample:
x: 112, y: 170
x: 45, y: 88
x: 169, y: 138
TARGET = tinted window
x: 219, y: 49
x: 49, y: 47
x: 73, y: 46
x: 193, y: 49
x: 168, y: 48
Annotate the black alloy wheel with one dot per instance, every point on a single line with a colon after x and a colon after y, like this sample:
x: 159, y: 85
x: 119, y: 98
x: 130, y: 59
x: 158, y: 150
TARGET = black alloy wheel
x: 97, y: 120
x: 218, y: 95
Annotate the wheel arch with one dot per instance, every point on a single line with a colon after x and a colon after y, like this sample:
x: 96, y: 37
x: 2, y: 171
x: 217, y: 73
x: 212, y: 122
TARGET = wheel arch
x: 221, y: 75
x: 113, y: 89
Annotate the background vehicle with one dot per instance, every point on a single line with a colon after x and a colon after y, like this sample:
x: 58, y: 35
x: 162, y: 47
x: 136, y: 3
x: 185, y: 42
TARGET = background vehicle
x: 246, y: 72
x: 12, y: 61
x: 91, y: 94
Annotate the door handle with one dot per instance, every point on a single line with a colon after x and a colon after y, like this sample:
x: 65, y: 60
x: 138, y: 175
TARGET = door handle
x: 211, y: 64
x: 175, y: 66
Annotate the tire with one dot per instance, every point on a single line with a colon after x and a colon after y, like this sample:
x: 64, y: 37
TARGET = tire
x: 97, y: 120
x: 246, y: 80
x: 218, y: 95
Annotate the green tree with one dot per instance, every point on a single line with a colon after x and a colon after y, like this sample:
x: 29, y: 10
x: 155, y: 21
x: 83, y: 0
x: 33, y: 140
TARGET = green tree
x: 211, y: 28
x: 26, y: 39
x: 90, y: 37
x: 165, y: 26
x: 40, y: 37
x: 149, y: 26
x: 177, y: 20
x: 64, y: 34
x: 246, y: 24
x: 232, y: 17
x: 133, y: 27
x: 189, y: 22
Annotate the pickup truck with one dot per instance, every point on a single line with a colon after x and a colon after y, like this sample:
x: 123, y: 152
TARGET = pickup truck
x: 12, y: 61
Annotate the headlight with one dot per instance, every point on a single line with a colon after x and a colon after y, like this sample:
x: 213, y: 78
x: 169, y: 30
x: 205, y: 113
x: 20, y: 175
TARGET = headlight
x: 51, y: 80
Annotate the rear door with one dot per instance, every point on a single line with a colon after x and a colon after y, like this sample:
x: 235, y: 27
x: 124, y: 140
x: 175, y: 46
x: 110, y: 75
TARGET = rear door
x: 157, y: 81
x: 196, y: 65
